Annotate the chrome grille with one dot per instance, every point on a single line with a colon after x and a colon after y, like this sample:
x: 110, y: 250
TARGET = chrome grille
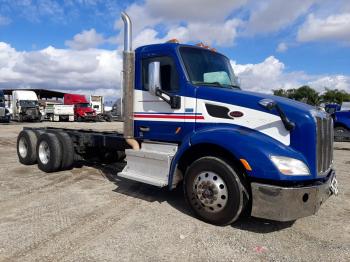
x: 324, y: 147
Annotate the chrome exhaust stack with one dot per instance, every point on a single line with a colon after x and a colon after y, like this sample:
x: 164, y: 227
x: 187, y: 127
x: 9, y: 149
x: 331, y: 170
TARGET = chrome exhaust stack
x: 128, y: 79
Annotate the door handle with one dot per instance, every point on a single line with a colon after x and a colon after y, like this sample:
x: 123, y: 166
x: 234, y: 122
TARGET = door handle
x: 144, y: 129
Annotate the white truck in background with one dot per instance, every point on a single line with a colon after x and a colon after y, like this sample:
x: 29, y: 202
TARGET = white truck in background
x: 97, y: 104
x: 25, y: 106
x: 46, y: 108
x: 63, y: 113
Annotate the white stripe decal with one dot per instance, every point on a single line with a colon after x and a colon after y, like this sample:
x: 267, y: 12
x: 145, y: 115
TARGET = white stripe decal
x: 266, y: 123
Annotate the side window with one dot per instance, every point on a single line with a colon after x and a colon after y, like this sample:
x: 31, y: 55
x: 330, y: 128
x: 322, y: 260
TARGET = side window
x: 169, y: 78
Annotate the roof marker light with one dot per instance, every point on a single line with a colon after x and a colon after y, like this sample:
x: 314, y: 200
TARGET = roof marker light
x: 173, y: 40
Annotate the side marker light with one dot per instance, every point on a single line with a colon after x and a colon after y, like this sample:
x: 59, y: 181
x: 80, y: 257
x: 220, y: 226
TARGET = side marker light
x: 246, y: 164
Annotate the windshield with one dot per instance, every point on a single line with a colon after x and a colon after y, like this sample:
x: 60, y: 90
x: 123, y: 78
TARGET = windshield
x: 28, y: 103
x: 205, y: 67
x: 2, y: 102
x: 85, y: 105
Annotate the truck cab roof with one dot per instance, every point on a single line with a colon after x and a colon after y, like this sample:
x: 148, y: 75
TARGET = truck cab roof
x: 165, y: 47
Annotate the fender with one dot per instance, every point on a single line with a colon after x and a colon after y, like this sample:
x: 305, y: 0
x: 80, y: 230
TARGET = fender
x: 342, y: 118
x: 241, y: 142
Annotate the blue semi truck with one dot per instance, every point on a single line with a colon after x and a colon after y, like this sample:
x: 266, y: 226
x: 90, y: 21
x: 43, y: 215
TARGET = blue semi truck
x: 341, y: 119
x: 4, y: 112
x: 186, y: 123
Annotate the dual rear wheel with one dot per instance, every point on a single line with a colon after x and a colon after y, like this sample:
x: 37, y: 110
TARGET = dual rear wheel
x: 52, y: 151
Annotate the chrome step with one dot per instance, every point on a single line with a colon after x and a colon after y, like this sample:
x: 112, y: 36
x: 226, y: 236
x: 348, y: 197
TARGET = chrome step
x: 151, y: 164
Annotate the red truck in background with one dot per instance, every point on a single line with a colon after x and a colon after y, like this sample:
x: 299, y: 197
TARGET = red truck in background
x: 82, y: 108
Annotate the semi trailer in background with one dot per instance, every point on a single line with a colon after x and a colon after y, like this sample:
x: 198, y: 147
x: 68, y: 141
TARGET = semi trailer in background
x: 25, y: 106
x: 237, y: 153
x: 4, y: 112
x: 82, y: 107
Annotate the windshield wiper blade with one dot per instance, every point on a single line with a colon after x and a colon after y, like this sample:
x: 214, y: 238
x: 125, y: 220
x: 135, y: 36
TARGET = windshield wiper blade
x: 208, y: 83
x: 236, y: 87
x: 218, y: 84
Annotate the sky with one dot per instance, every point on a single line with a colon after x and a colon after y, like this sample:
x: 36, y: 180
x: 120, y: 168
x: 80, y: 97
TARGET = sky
x: 76, y: 45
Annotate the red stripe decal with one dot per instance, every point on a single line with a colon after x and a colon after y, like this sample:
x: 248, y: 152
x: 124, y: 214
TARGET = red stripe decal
x: 169, y: 116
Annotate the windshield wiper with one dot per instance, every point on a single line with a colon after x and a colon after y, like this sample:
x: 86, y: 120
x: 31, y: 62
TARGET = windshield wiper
x: 208, y: 83
x: 234, y: 86
x: 218, y: 84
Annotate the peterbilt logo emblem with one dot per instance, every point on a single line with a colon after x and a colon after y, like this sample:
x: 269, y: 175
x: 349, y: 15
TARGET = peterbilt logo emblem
x: 234, y: 114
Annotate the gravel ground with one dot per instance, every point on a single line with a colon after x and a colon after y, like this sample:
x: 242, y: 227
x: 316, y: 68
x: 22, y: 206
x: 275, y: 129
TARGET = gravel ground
x: 87, y: 214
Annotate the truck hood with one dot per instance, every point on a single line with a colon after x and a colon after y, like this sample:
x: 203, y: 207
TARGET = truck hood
x: 251, y: 99
x: 302, y: 137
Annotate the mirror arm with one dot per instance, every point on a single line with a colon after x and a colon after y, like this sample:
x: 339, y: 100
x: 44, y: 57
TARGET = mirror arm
x: 270, y: 104
x: 173, y: 101
x: 160, y: 93
x: 289, y: 125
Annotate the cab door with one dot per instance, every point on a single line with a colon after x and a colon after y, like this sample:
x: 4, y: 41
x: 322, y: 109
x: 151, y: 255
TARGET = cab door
x: 155, y: 119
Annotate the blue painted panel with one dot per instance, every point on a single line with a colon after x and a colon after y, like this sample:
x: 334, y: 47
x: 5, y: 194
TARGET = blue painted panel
x: 342, y: 118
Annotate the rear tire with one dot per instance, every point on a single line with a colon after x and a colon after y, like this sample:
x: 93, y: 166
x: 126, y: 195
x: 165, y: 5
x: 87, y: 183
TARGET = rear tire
x: 49, y: 153
x: 67, y: 150
x: 26, y: 147
x: 214, y: 191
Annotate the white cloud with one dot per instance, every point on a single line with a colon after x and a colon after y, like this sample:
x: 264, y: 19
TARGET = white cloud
x: 340, y: 82
x: 331, y: 28
x: 194, y: 10
x: 282, y: 47
x: 271, y: 74
x: 89, y: 71
x: 274, y: 15
x: 85, y: 40
x: 197, y: 20
x: 98, y: 71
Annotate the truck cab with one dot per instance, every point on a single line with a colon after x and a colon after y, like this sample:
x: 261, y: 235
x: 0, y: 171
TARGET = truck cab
x: 188, y: 96
x: 82, y: 108
x: 25, y: 106
x: 96, y: 103
x: 4, y: 112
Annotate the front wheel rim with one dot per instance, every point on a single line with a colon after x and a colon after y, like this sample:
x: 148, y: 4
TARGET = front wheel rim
x: 210, y: 192
x: 23, y: 147
x: 44, y: 152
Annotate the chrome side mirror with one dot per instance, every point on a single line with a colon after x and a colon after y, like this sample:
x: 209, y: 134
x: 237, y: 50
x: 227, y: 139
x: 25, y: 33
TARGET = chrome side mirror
x: 153, y: 77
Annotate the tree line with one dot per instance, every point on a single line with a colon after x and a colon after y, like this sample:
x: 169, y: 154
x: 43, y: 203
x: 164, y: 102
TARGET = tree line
x: 310, y: 96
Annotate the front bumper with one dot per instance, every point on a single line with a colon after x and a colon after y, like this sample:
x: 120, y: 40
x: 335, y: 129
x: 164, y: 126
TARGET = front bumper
x: 290, y: 203
x: 90, y: 117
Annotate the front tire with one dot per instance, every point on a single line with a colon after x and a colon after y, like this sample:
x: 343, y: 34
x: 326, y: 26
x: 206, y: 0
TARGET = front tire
x: 214, y: 191
x: 339, y: 133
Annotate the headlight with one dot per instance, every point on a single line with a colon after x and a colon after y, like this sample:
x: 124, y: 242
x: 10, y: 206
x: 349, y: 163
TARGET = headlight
x: 290, y: 166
